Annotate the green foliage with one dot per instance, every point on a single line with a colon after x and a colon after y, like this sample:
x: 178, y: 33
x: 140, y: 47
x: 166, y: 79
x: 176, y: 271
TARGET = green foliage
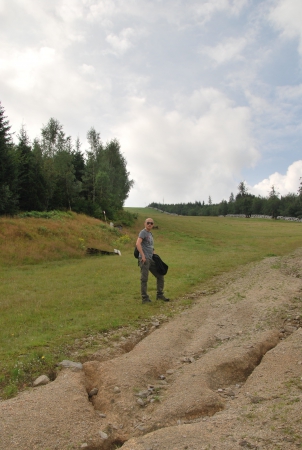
x: 288, y: 206
x: 106, y: 181
x: 242, y: 190
x: 8, y: 169
x: 121, y: 241
x: 31, y: 183
x: 125, y: 218
x: 52, y: 173
x: 46, y: 214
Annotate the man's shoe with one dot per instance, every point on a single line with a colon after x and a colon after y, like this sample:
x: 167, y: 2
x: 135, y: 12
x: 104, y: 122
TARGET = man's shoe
x: 162, y: 297
x: 146, y: 300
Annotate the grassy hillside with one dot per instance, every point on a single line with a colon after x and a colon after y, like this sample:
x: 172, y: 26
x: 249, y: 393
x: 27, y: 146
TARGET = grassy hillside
x: 52, y: 294
x: 61, y: 236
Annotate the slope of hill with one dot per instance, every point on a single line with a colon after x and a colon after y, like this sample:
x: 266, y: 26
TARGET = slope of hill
x: 225, y: 374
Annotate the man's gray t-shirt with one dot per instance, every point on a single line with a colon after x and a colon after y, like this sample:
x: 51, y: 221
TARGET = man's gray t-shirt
x: 147, y: 243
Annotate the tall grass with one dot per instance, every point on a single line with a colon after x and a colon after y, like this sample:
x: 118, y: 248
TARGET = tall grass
x: 29, y: 240
x: 52, y: 293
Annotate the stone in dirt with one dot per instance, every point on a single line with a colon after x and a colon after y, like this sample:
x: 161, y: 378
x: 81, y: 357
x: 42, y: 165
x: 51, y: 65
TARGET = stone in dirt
x: 71, y: 364
x: 41, y: 381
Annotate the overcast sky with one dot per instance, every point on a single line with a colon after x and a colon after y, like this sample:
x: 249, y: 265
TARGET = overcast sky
x: 201, y: 94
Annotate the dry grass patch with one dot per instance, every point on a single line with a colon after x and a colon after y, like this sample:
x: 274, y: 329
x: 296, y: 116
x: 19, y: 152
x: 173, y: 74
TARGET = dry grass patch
x: 67, y: 235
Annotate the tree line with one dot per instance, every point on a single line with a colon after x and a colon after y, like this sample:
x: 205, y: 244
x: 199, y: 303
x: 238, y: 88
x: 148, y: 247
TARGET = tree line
x: 53, y: 173
x: 273, y: 205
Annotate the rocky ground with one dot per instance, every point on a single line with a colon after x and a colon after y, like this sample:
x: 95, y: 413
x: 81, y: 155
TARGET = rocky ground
x: 223, y: 374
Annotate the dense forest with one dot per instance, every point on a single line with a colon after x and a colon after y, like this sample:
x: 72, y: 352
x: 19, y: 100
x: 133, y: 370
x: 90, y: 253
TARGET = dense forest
x: 273, y: 205
x: 53, y: 173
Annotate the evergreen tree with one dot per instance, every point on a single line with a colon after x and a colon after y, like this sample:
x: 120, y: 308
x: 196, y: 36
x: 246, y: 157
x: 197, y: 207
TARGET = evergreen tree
x: 62, y: 188
x: 48, y: 144
x: 78, y: 161
x: 223, y: 208
x: 67, y: 187
x: 300, y: 188
x: 272, y: 205
x: 40, y: 181
x: 257, y: 205
x: 242, y: 190
x: 51, y: 174
x: 25, y: 175
x: 31, y: 184
x: 231, y: 204
x: 8, y: 169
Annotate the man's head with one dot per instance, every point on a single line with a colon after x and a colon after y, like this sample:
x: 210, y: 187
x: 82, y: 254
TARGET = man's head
x: 149, y: 224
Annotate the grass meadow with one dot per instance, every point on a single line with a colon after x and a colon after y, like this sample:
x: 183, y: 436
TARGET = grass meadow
x: 52, y: 294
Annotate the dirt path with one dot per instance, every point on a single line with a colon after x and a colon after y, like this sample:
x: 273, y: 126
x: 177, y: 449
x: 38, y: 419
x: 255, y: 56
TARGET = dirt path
x: 224, y: 374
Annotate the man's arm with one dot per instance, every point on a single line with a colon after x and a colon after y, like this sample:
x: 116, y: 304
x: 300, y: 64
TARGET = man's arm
x: 139, y: 248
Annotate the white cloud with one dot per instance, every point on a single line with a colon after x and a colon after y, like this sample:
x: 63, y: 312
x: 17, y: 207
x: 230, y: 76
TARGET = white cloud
x: 180, y: 13
x: 122, y: 42
x: 231, y: 49
x: 207, y: 9
x: 187, y: 157
x: 268, y: 112
x: 21, y: 70
x: 102, y: 10
x: 70, y: 10
x: 87, y: 69
x: 290, y: 92
x: 286, y: 17
x: 284, y: 184
x: 56, y: 24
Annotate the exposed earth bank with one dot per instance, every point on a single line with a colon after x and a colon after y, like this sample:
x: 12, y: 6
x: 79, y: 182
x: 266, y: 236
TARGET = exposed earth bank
x: 223, y: 374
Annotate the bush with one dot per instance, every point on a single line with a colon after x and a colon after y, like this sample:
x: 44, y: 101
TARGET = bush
x: 46, y: 214
x: 125, y: 218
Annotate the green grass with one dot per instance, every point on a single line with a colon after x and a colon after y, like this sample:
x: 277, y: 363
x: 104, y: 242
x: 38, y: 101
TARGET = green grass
x: 47, y: 304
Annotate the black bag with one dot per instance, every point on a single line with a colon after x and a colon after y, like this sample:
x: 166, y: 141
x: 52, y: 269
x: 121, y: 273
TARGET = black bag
x: 136, y: 253
x: 161, y: 267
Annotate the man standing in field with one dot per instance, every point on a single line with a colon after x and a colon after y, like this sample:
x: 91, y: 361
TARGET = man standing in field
x: 145, y: 246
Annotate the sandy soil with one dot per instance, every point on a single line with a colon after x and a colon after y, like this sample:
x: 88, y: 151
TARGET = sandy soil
x: 223, y: 374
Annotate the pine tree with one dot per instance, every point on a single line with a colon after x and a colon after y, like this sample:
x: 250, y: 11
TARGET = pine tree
x: 31, y: 183
x: 8, y: 169
x: 56, y: 149
x: 242, y: 190
x: 78, y: 161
